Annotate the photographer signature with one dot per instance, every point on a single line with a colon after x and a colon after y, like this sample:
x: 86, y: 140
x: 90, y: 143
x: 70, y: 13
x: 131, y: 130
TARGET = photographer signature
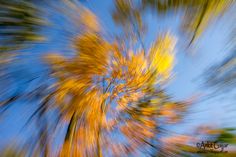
x: 212, y: 146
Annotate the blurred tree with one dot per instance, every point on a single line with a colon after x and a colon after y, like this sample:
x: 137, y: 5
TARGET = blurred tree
x: 197, y: 14
x: 113, y: 93
x: 12, y: 152
x: 20, y: 23
x: 222, y: 75
x: 127, y: 15
x: 103, y: 92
